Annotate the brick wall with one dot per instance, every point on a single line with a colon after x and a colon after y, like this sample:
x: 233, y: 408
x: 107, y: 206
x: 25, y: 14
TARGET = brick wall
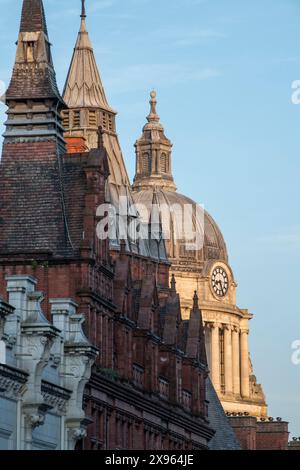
x: 272, y: 435
x: 260, y: 435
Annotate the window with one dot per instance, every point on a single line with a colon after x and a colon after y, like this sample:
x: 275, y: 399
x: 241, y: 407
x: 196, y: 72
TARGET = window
x: 138, y: 375
x: 76, y: 119
x: 29, y: 51
x: 2, y: 352
x: 104, y: 121
x: 146, y: 163
x: 164, y: 163
x: 110, y: 123
x: 92, y: 118
x: 186, y: 399
x: 222, y: 361
x: 164, y: 388
x: 66, y: 120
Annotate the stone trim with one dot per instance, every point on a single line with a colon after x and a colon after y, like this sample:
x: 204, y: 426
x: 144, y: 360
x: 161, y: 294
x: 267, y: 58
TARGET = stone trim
x: 12, y: 381
x: 55, y: 396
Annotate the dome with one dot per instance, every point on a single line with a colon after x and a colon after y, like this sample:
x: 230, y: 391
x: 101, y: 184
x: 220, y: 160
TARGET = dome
x: 214, y: 247
x: 154, y: 186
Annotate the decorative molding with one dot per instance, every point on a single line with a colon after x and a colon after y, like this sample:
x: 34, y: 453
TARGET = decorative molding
x: 55, y: 396
x: 12, y: 381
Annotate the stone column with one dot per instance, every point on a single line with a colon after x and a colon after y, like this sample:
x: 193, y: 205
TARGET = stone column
x: 245, y: 387
x: 228, y: 358
x: 215, y: 356
x: 236, y: 361
x: 207, y: 332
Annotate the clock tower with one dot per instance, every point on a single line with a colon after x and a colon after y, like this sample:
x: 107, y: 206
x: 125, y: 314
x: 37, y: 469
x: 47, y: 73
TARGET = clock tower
x: 206, y: 270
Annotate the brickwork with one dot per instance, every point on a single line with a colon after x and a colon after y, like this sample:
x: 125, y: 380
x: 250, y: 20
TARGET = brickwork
x: 260, y: 435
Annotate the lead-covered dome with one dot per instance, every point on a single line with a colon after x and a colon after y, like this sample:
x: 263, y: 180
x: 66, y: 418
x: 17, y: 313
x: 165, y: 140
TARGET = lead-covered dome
x: 154, y: 185
x: 214, y: 247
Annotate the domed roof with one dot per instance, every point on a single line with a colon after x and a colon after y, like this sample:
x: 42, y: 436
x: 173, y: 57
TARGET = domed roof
x: 154, y: 186
x: 214, y: 247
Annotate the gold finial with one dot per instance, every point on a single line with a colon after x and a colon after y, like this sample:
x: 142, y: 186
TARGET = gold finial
x: 83, y: 15
x: 153, y: 116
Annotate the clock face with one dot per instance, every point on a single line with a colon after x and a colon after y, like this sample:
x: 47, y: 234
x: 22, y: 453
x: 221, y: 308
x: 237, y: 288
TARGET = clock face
x: 219, y: 281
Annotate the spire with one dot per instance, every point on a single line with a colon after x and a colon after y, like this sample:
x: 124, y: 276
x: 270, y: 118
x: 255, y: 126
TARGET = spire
x: 83, y: 87
x: 195, y: 347
x: 33, y: 81
x: 195, y: 301
x: 153, y: 154
x: 33, y: 17
x: 173, y: 283
x: 88, y: 107
x: 83, y: 15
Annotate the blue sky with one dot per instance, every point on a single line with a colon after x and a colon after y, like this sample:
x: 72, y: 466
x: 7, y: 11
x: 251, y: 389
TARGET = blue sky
x: 223, y: 70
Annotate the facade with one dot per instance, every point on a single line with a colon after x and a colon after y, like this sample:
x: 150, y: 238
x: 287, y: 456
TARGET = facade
x: 94, y: 351
x: 43, y: 369
x: 206, y: 270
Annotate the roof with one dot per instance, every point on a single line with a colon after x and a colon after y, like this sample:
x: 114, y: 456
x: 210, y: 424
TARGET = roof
x: 224, y: 438
x: 83, y: 88
x: 33, y: 17
x: 37, y: 79
x: 214, y: 246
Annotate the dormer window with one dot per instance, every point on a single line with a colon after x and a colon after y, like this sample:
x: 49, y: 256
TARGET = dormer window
x: 29, y: 44
x: 29, y: 51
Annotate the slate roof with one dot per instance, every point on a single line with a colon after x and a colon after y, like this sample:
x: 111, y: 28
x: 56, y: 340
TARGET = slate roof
x: 33, y: 17
x: 37, y: 80
x: 224, y: 438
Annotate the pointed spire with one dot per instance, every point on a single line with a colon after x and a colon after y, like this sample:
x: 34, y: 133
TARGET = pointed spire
x: 195, y: 302
x: 33, y: 17
x: 173, y: 283
x: 83, y: 17
x: 195, y: 347
x: 34, y: 79
x: 83, y: 88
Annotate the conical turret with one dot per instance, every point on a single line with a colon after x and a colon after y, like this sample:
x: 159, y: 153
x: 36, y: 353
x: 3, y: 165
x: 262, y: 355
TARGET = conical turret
x: 33, y: 99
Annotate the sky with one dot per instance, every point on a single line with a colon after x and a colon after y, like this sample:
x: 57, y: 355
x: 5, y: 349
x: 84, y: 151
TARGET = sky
x: 223, y: 71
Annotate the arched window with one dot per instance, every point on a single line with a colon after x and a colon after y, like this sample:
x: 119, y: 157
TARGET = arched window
x: 164, y: 163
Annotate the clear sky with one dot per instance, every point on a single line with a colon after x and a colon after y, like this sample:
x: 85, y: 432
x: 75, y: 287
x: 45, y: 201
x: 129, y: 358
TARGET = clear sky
x: 223, y: 70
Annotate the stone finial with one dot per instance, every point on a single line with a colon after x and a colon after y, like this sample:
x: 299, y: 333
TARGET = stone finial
x: 83, y: 14
x: 83, y: 17
x: 196, y: 301
x: 153, y: 116
x: 173, y: 283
